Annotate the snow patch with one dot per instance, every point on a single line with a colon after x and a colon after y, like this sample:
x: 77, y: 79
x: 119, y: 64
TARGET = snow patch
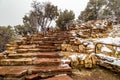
x: 116, y: 62
x: 82, y: 56
x: 91, y: 45
x: 73, y: 33
x: 60, y: 75
x: 118, y: 49
x: 104, y: 48
x: 110, y: 60
x: 64, y: 65
x: 109, y: 40
x: 73, y: 57
x: 65, y: 60
x: 80, y: 33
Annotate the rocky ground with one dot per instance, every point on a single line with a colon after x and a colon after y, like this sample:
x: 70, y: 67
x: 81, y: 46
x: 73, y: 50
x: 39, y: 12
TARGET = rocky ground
x: 98, y: 73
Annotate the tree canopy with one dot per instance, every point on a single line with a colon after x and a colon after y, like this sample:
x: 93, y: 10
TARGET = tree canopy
x: 41, y: 16
x: 6, y: 35
x: 100, y: 9
x: 64, y: 19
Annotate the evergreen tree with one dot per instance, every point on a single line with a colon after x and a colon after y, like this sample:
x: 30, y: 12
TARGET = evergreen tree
x: 100, y: 9
x: 65, y: 18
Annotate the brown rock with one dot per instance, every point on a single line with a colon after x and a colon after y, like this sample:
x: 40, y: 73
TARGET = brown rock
x: 36, y: 54
x: 15, y: 72
x: 88, y: 62
x: 47, y: 70
x: 60, y: 77
x: 32, y: 77
x: 21, y: 61
x: 93, y: 60
x: 11, y: 48
x: 81, y: 48
x: 99, y: 46
x: 110, y: 47
x: 2, y: 56
x: 47, y: 61
x: 26, y: 46
x: 75, y: 48
x: 74, y: 64
x: 10, y: 51
x: 12, y: 78
x: 69, y: 48
x: 77, y: 42
x: 4, y: 70
x: 63, y: 47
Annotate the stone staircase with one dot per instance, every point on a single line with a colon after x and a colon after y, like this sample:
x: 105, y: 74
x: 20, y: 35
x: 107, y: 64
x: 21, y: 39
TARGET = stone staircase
x: 35, y: 57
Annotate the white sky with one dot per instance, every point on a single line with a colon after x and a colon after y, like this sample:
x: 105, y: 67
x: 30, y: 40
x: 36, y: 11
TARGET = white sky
x: 12, y: 11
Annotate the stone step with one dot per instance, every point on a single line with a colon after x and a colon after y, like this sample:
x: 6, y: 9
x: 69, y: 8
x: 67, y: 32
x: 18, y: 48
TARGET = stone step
x: 43, y: 38
x: 63, y: 36
x: 12, y: 72
x: 57, y: 37
x: 53, y: 42
x: 2, y: 56
x: 48, y: 50
x: 26, y: 46
x: 36, y: 54
x: 39, y: 43
x: 35, y: 50
x: 46, y: 47
x: 60, y: 77
x: 47, y: 71
x: 16, y: 62
x: 32, y: 77
x: 31, y: 72
x: 28, y: 50
x: 47, y: 61
x: 30, y: 61
x: 13, y: 78
x: 46, y: 42
x: 23, y: 47
x: 51, y: 72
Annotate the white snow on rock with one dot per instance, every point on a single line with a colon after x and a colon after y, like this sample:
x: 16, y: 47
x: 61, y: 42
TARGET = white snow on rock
x: 116, y: 62
x: 104, y: 48
x: 60, y: 75
x: 91, y: 45
x: 73, y: 33
x: 80, y: 33
x: 65, y: 60
x: 64, y: 65
x: 109, y: 40
x: 110, y: 60
x: 92, y: 54
x: 73, y: 57
x: 118, y: 49
x: 102, y: 56
x: 82, y: 56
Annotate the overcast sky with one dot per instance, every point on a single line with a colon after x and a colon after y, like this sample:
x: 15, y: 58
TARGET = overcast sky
x: 12, y: 11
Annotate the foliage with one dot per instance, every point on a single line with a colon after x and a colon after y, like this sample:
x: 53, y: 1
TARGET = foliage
x: 100, y: 9
x: 21, y: 30
x: 29, y: 25
x: 114, y: 7
x: 64, y: 19
x: 6, y: 35
x: 40, y: 17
